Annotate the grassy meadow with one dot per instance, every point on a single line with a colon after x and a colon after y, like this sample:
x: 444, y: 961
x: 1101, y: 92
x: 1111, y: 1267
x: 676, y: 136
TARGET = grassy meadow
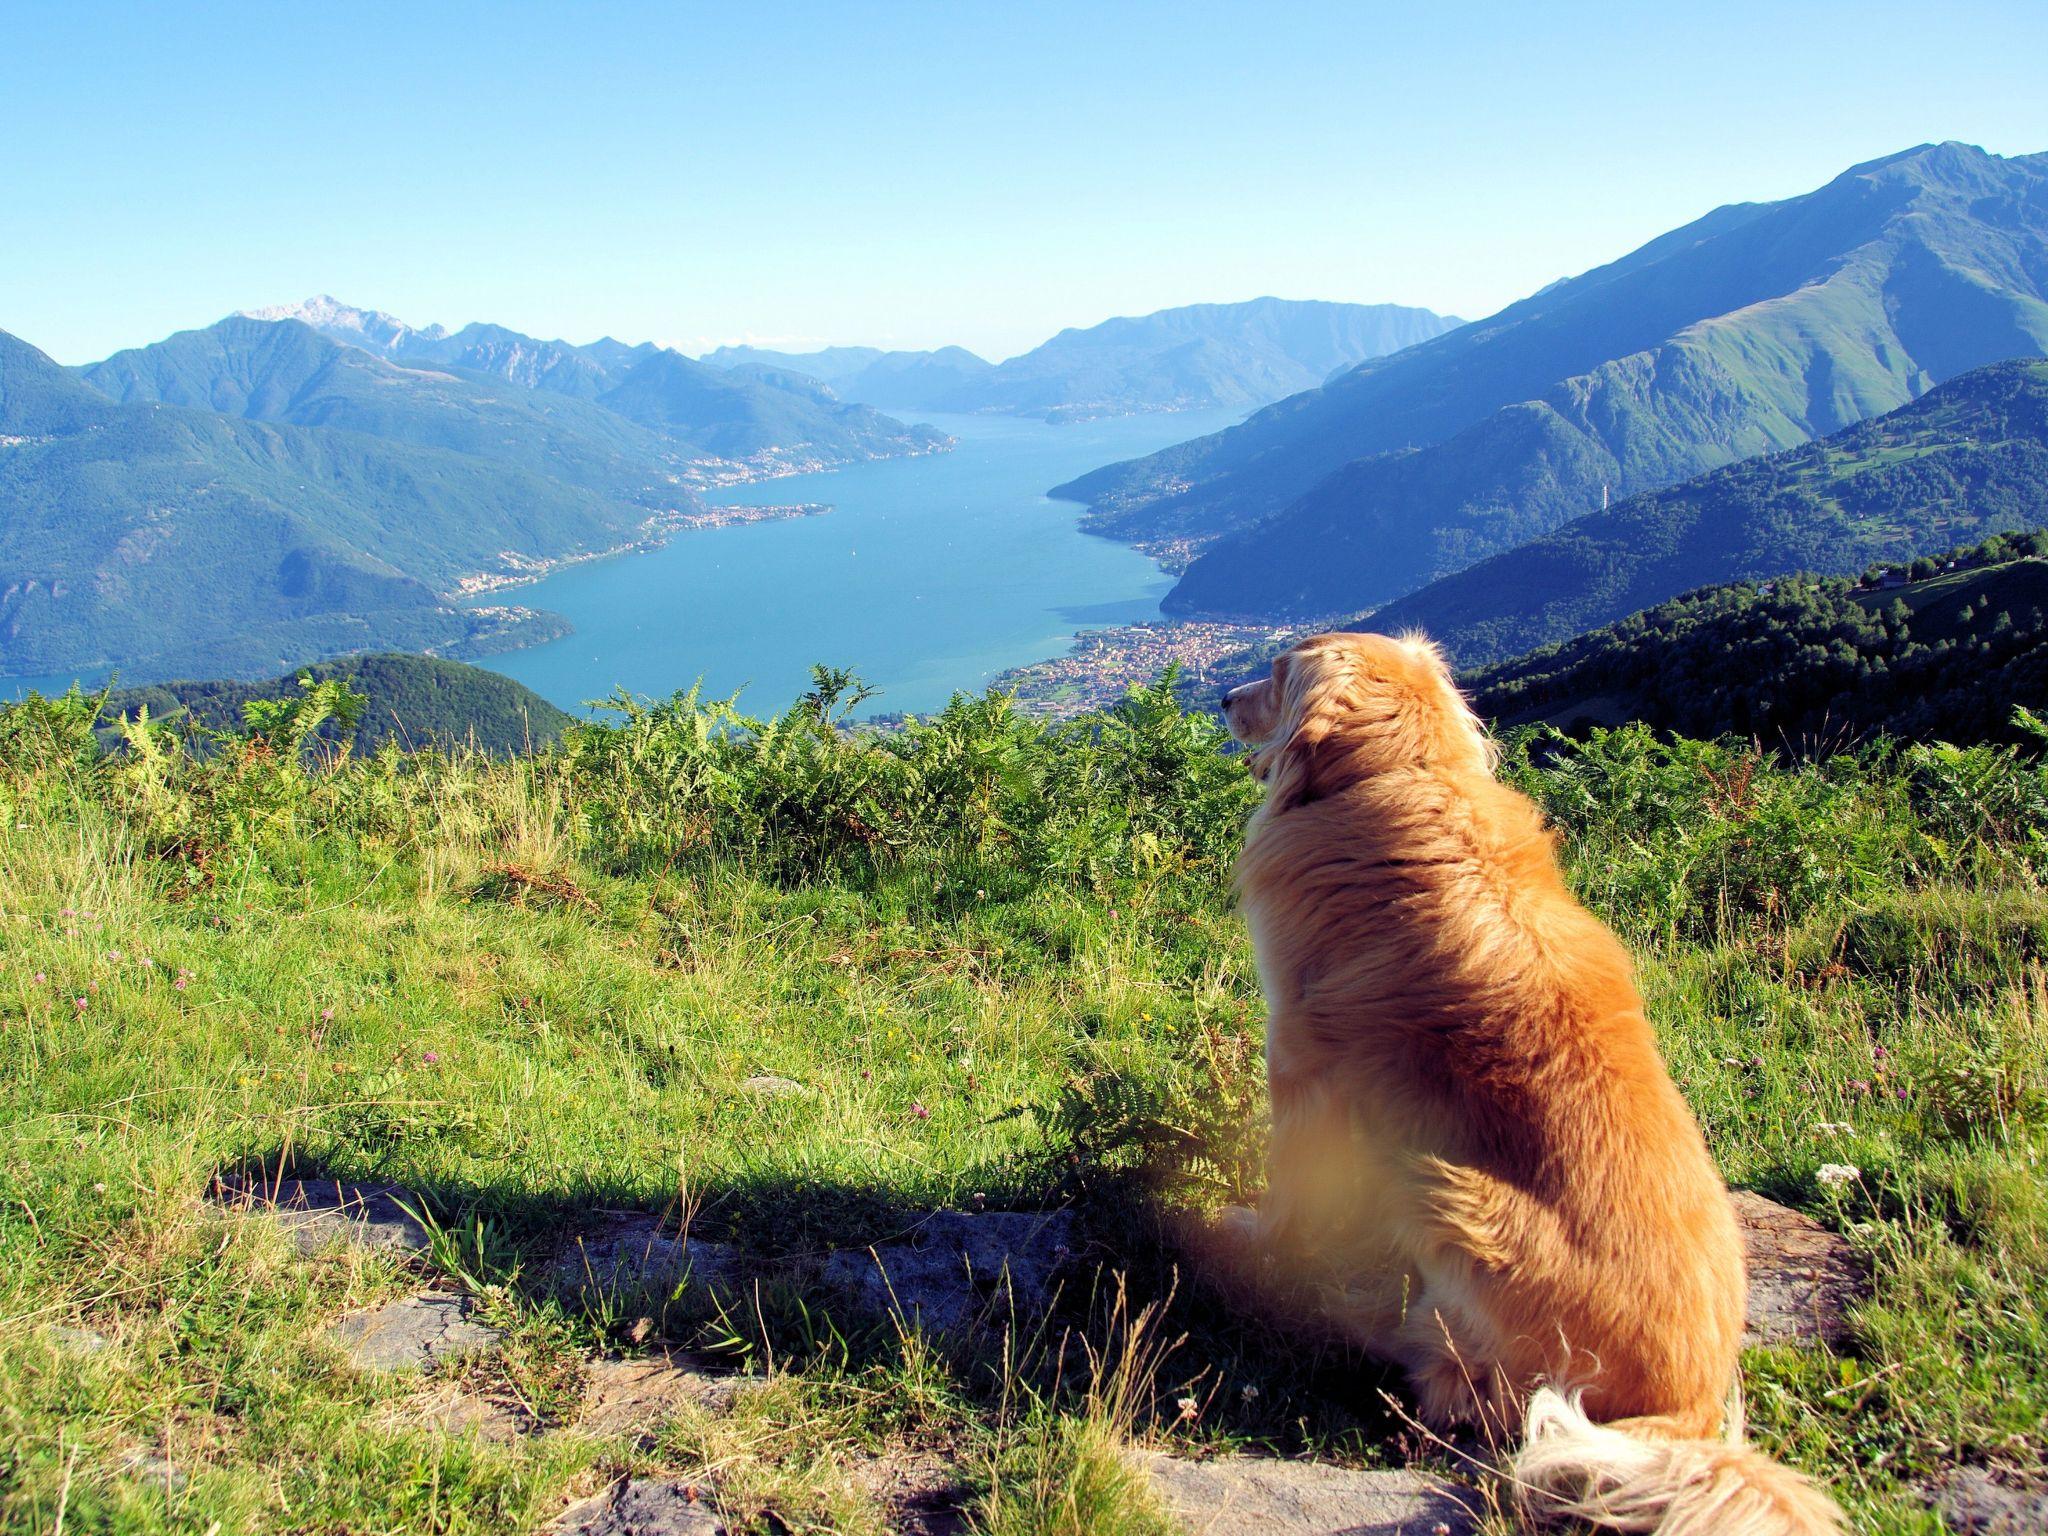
x: 1000, y: 959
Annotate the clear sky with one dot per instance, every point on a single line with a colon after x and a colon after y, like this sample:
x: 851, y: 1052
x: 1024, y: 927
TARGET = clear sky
x: 911, y: 174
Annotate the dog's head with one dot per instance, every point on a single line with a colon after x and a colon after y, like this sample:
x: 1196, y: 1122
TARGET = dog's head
x: 1341, y: 707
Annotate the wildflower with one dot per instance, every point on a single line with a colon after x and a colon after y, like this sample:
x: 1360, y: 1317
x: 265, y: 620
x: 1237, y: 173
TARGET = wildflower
x: 430, y: 1058
x: 66, y: 912
x: 1879, y: 1052
x: 98, y: 1188
x: 1189, y: 1409
x: 326, y: 1015
x: 920, y: 1111
x: 146, y: 963
x: 42, y: 978
x: 1832, y: 1128
x: 1835, y: 1175
x: 179, y: 984
x: 1249, y: 1393
x: 114, y: 954
x: 80, y: 1002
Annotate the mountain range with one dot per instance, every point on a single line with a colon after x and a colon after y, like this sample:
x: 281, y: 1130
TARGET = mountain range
x: 275, y: 489
x: 1751, y: 330
x: 1197, y: 357
x: 1965, y: 460
x: 756, y: 418
x: 168, y: 540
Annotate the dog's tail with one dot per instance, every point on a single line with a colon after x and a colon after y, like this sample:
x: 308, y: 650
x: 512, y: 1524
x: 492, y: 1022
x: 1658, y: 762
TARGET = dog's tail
x: 1605, y: 1474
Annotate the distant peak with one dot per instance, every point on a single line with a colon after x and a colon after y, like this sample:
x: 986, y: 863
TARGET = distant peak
x: 369, y: 328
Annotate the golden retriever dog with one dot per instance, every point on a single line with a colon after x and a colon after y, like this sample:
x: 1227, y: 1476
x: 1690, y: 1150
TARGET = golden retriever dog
x: 1477, y: 1155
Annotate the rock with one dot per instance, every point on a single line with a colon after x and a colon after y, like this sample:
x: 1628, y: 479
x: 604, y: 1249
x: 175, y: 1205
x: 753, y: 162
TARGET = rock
x: 633, y: 1253
x: 769, y: 1087
x: 147, y: 1464
x: 642, y: 1506
x: 954, y: 1267
x: 448, y: 1408
x: 321, y: 1213
x: 631, y: 1394
x: 1976, y: 1502
x: 412, y: 1333
x: 1802, y: 1277
x: 78, y: 1341
x: 1260, y: 1496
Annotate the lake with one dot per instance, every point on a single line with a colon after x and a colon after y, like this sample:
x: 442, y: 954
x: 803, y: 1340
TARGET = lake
x: 929, y: 575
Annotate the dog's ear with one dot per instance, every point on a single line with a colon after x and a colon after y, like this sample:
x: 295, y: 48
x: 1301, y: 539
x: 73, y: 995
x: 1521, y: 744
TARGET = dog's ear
x: 1290, y: 765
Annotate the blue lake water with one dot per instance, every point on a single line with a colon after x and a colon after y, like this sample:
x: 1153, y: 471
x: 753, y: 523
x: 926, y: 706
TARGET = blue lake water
x: 929, y: 575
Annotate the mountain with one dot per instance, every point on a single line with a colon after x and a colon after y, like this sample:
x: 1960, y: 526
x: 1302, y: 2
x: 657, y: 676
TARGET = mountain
x: 757, y: 415
x: 890, y: 380
x: 703, y: 412
x: 285, y: 371
x: 414, y: 700
x: 1200, y: 357
x: 1755, y: 328
x: 1941, y: 649
x: 1967, y: 459
x: 169, y: 541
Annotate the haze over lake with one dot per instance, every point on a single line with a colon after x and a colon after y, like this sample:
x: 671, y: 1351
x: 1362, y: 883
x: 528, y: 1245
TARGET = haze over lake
x: 929, y: 575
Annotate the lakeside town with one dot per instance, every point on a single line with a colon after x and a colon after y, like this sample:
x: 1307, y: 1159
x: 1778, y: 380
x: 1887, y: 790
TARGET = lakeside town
x: 1105, y: 663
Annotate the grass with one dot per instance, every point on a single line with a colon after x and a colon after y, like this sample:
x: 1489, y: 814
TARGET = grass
x: 530, y: 989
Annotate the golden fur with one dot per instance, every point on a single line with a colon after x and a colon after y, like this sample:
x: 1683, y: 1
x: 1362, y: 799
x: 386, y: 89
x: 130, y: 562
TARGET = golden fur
x: 1476, y: 1150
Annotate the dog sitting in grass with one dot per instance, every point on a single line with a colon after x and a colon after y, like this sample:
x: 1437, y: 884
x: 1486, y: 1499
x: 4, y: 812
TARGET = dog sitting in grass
x: 1477, y: 1156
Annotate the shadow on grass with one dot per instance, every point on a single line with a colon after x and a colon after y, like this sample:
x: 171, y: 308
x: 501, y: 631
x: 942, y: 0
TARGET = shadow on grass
x: 758, y: 1289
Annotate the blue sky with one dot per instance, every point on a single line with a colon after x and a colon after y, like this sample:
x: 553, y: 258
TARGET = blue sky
x: 909, y: 175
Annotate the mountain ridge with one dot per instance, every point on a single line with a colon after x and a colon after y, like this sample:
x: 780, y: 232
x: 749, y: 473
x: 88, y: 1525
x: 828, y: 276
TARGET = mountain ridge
x: 1753, y: 328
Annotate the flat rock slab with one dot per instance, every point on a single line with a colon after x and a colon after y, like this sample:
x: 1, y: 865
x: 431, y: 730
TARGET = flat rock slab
x: 634, y: 1393
x: 642, y: 1506
x: 1975, y: 1502
x: 1258, y: 1496
x: 320, y: 1213
x: 635, y: 1254
x: 1802, y: 1277
x: 956, y: 1268
x: 412, y: 1333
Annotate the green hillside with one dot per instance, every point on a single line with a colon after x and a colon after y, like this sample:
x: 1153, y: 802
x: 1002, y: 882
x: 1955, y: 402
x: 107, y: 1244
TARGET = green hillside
x: 1942, y: 650
x: 791, y: 991
x: 285, y: 371
x: 171, y: 542
x: 1751, y: 330
x: 1967, y: 459
x: 416, y: 701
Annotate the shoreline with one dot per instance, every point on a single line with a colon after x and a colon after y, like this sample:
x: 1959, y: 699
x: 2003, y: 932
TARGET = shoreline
x: 658, y: 528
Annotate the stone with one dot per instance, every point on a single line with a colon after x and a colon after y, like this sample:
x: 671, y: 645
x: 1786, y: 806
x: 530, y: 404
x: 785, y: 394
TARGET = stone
x: 1802, y: 1277
x: 449, y: 1408
x: 632, y: 1394
x: 1976, y: 1502
x: 767, y: 1086
x: 78, y: 1341
x: 148, y: 1464
x: 320, y: 1213
x: 1263, y: 1496
x: 412, y: 1333
x: 642, y: 1506
x: 634, y: 1253
x: 956, y: 1267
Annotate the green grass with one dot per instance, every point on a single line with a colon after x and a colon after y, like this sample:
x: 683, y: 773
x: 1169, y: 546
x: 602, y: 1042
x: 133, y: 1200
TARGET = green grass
x: 1001, y: 959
